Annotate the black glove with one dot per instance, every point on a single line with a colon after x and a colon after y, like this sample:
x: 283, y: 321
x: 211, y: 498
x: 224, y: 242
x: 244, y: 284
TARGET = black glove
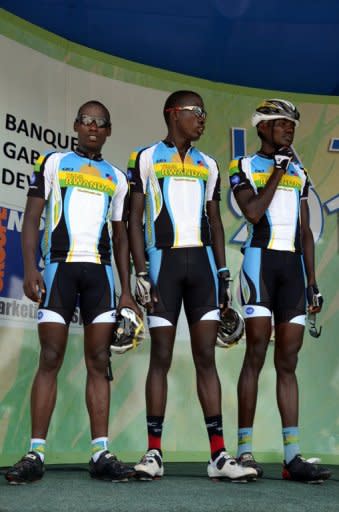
x: 143, y: 288
x: 225, y: 296
x: 283, y: 157
x: 314, y: 297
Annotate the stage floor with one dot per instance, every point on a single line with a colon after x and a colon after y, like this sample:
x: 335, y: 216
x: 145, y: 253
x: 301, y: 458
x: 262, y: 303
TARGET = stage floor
x: 184, y: 488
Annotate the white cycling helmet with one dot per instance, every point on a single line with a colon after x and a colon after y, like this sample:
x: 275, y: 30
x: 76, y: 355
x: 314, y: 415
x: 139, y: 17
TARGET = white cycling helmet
x: 231, y: 328
x: 275, y: 109
x: 129, y: 332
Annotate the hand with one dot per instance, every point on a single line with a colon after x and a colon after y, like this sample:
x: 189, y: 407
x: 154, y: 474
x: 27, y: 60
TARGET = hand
x: 143, y: 288
x: 283, y: 157
x: 33, y: 285
x: 127, y: 301
x: 314, y: 298
x: 225, y: 296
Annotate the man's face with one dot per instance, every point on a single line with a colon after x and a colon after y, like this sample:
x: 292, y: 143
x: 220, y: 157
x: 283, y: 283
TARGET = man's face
x: 190, y: 123
x: 279, y: 132
x: 92, y: 137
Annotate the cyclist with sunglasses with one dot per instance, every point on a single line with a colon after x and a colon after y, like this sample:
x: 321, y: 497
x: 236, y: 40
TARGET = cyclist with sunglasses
x: 86, y: 199
x: 175, y: 188
x: 271, y: 188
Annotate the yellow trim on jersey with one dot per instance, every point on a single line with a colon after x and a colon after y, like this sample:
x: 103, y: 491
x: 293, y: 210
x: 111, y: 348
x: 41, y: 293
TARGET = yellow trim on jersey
x: 261, y: 178
x: 132, y: 159
x: 233, y: 167
x: 38, y: 163
x: 86, y: 181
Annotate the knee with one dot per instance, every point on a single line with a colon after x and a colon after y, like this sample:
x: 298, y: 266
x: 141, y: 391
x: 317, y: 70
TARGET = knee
x: 97, y: 361
x: 255, y: 356
x: 50, y: 359
x: 160, y: 362
x: 204, y: 359
x: 286, y: 364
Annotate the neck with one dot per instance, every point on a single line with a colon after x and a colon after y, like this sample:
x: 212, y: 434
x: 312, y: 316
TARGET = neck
x: 267, y: 149
x: 88, y: 153
x: 182, y: 144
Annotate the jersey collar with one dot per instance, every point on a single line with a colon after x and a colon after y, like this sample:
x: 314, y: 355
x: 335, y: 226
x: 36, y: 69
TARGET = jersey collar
x: 82, y: 153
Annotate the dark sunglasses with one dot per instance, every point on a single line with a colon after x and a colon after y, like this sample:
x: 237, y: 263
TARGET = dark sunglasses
x: 87, y: 120
x: 198, y: 111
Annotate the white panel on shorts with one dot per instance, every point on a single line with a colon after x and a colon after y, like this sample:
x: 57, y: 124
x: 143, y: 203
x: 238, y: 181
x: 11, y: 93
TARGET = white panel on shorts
x: 109, y: 317
x: 157, y: 321
x: 255, y: 311
x: 44, y: 315
x: 212, y: 315
x: 300, y: 319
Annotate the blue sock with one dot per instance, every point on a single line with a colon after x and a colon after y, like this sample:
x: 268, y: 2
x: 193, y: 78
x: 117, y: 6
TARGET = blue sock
x: 291, y: 443
x: 244, y: 440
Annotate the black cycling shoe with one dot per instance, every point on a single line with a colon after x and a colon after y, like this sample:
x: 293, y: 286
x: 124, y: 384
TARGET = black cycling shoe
x: 108, y: 467
x: 302, y: 470
x: 248, y: 461
x: 29, y: 469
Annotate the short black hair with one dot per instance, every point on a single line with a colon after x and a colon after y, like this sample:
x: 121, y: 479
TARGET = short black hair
x: 96, y: 104
x: 177, y: 98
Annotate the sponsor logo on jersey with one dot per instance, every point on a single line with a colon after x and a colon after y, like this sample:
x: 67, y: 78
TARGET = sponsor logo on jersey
x: 174, y: 170
x: 235, y: 179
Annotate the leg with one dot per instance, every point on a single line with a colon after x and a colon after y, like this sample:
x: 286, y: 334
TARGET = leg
x: 97, y: 341
x: 258, y: 331
x: 53, y: 340
x: 222, y: 465
x: 288, y: 342
x: 162, y: 343
x: 203, y: 336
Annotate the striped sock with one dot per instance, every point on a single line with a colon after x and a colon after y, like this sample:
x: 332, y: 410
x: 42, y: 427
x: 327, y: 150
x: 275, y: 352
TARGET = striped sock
x: 99, y: 445
x: 291, y: 443
x: 38, y: 446
x: 215, y: 435
x: 244, y: 440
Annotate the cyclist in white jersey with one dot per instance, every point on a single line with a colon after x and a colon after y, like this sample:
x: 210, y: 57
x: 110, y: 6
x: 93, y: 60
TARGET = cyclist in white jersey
x: 86, y: 207
x: 176, y: 189
x: 271, y: 189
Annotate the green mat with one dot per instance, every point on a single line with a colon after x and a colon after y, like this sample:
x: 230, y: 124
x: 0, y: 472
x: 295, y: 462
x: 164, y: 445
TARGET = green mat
x: 185, y: 488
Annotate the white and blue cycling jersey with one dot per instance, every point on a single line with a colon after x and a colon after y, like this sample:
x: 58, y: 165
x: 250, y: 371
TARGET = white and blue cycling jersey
x: 82, y: 196
x: 279, y: 227
x: 176, y: 193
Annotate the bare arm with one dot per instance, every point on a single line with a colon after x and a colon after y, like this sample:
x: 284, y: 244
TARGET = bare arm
x: 121, y: 256
x: 33, y: 283
x: 135, y: 231
x: 253, y: 206
x: 218, y: 247
x: 217, y: 233
x: 307, y: 241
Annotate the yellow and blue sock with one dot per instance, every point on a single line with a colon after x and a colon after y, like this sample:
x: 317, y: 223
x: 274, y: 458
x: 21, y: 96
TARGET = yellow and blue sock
x: 99, y: 445
x: 244, y: 440
x: 38, y: 446
x: 291, y: 443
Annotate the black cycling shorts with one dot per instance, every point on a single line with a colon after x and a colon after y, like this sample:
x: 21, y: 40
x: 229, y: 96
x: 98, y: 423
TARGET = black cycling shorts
x: 273, y: 282
x: 183, y: 275
x: 89, y: 285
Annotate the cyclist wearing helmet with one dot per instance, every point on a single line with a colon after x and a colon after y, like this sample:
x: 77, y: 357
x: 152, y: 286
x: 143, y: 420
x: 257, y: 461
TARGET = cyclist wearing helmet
x: 271, y: 189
